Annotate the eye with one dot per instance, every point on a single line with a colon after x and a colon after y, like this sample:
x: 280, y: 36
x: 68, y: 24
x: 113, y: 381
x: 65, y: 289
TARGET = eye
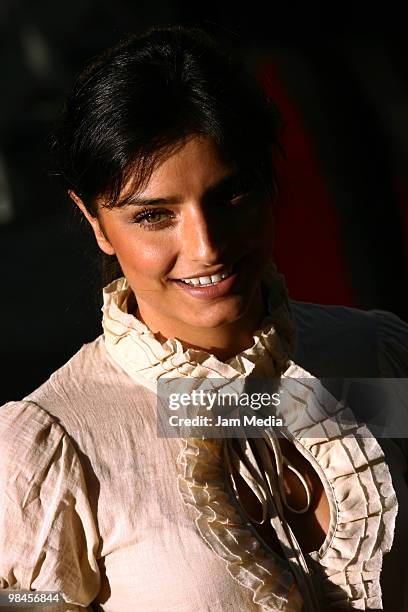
x: 239, y: 194
x: 150, y: 217
x: 240, y: 190
x: 238, y: 197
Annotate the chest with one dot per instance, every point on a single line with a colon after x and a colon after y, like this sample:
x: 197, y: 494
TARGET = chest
x: 310, y: 527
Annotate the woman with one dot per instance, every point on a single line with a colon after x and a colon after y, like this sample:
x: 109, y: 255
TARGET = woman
x: 165, y: 146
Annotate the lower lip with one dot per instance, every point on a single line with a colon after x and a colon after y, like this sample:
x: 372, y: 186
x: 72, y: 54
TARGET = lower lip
x: 223, y: 287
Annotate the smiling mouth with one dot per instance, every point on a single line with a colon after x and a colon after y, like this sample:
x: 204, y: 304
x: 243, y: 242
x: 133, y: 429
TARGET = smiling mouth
x: 215, y: 286
x: 213, y: 279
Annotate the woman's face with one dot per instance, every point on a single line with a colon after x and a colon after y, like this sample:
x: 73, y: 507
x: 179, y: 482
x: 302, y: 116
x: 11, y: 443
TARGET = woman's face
x: 196, y: 217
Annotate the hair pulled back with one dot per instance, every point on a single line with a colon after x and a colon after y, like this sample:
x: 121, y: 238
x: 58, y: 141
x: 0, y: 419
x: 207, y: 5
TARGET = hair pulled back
x: 136, y: 102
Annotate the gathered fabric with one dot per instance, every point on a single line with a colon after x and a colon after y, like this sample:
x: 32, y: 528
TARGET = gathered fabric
x: 144, y: 357
x: 345, y: 572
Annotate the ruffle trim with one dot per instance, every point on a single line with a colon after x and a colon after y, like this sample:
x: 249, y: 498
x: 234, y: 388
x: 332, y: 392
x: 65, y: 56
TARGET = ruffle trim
x: 131, y: 343
x: 358, y: 485
x: 202, y: 485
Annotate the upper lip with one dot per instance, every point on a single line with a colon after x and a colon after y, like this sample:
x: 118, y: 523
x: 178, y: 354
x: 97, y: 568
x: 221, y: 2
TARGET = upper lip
x: 219, y: 270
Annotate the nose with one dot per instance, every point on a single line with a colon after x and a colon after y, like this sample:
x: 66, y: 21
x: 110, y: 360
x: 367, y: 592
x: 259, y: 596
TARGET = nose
x: 203, y: 238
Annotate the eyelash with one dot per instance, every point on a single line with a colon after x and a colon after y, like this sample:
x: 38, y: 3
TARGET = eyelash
x: 146, y: 214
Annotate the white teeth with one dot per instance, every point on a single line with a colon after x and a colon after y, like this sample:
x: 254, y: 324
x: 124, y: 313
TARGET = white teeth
x: 215, y: 278
x: 204, y: 280
x: 207, y: 280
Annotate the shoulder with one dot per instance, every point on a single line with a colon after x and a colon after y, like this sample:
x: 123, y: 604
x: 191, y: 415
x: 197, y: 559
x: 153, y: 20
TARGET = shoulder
x: 88, y: 366
x: 337, y: 341
x: 38, y: 428
x: 82, y: 384
x: 83, y: 394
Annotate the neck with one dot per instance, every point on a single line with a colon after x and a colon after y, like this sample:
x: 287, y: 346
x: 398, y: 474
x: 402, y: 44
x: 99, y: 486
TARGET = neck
x: 225, y: 341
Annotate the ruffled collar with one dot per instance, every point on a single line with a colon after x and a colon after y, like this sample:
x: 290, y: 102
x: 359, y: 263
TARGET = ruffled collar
x: 349, y: 461
x: 130, y: 342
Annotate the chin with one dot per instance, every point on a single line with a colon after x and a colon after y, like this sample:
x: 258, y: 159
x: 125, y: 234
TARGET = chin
x: 217, y: 317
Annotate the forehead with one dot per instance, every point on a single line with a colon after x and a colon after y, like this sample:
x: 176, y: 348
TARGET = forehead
x: 192, y: 166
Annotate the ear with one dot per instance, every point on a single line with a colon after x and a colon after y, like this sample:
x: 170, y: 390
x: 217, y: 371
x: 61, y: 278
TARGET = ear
x: 97, y: 228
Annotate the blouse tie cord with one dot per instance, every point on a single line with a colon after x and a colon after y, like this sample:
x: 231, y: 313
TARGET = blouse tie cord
x: 266, y: 482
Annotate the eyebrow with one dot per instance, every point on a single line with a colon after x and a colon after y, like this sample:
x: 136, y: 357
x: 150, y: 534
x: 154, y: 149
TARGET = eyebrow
x: 224, y: 183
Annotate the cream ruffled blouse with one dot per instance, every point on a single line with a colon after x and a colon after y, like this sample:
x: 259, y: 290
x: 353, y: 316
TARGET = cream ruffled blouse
x: 95, y: 505
x: 349, y: 461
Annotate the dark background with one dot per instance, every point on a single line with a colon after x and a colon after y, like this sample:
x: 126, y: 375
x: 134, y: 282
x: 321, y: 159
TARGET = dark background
x: 340, y: 79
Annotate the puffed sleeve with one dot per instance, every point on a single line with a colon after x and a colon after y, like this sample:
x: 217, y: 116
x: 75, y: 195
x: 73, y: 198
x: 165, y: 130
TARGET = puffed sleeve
x: 392, y: 345
x: 48, y: 537
x: 392, y: 350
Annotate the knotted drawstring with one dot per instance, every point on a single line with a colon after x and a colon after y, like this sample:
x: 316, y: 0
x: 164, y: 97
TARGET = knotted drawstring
x: 266, y: 482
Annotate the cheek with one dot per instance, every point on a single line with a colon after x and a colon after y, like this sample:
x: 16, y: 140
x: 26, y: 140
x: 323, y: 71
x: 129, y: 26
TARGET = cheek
x: 141, y: 256
x: 267, y: 231
x: 259, y: 229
